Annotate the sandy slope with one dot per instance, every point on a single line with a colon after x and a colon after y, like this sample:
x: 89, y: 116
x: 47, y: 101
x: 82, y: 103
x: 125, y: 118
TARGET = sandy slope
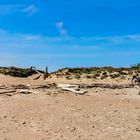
x: 6, y: 79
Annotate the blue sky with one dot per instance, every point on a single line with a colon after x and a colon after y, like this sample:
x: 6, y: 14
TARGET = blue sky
x: 69, y: 33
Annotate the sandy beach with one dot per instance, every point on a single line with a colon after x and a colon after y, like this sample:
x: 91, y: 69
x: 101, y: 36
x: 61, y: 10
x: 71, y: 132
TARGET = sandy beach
x: 54, y: 114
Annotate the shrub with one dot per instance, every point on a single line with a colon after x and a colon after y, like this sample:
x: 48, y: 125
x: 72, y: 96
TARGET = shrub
x: 89, y: 77
x: 68, y: 77
x: 115, y: 75
x: 96, y: 75
x: 77, y: 77
x: 17, y: 72
x: 104, y: 76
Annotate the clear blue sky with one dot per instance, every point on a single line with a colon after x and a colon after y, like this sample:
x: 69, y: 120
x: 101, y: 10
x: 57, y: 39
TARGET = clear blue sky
x: 69, y: 33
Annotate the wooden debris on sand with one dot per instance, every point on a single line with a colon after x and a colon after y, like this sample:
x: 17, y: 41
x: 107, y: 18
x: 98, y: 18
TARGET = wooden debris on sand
x: 73, y: 88
x: 21, y: 86
x: 7, y: 92
x: 37, y: 77
x: 110, y: 86
x: 67, y: 86
x: 77, y: 91
x: 25, y: 91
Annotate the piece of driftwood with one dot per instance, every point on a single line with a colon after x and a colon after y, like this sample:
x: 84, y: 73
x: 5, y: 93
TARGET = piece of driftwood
x: 77, y: 91
x: 20, y: 86
x: 25, y: 91
x: 46, y: 74
x: 110, y: 86
x: 7, y: 91
x: 37, y: 77
x: 47, y: 86
x: 73, y: 88
x: 67, y: 86
x: 3, y: 87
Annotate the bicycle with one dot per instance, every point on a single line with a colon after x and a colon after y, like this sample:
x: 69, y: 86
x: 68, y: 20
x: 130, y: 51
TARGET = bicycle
x: 136, y: 80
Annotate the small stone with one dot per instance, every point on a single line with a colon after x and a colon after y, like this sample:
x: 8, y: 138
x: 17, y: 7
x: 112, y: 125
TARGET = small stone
x: 115, y: 110
x: 5, y: 116
x: 73, y: 129
x: 24, y: 123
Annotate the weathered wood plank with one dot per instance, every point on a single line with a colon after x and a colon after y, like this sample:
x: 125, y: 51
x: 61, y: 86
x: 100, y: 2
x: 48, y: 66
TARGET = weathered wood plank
x: 7, y: 91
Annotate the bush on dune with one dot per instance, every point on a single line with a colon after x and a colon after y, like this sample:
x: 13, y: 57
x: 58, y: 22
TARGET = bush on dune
x: 17, y: 72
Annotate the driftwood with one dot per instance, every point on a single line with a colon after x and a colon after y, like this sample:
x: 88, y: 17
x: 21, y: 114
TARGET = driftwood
x: 110, y: 86
x: 46, y: 74
x: 20, y: 86
x: 3, y: 87
x: 25, y: 91
x: 37, y: 77
x: 77, y: 91
x: 72, y: 88
x: 47, y: 86
x: 67, y: 86
x: 28, y: 86
x: 7, y: 91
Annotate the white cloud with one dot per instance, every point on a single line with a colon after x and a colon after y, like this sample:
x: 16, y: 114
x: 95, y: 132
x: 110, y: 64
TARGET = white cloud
x: 116, y: 39
x: 64, y: 32
x: 31, y: 10
x: 32, y: 37
x: 14, y: 8
x: 9, y: 40
x: 60, y: 26
x: 135, y: 37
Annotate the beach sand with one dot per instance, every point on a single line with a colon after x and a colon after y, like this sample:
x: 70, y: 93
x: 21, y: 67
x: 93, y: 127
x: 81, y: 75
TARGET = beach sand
x: 101, y: 114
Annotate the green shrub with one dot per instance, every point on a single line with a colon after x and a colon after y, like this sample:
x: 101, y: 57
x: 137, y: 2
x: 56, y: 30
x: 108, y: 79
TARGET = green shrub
x: 114, y: 75
x: 89, y: 76
x: 77, y: 77
x: 17, y: 72
x: 104, y: 76
x: 97, y: 75
x: 68, y: 77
